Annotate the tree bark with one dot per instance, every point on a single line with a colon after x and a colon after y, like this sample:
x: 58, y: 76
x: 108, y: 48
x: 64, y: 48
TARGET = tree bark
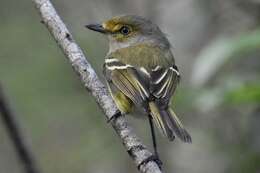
x: 135, y: 148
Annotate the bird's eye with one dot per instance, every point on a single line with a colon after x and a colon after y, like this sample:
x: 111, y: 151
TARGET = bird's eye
x: 125, y: 30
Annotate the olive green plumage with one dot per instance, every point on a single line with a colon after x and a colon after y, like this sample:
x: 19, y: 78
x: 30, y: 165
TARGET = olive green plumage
x: 141, y: 72
x: 143, y: 55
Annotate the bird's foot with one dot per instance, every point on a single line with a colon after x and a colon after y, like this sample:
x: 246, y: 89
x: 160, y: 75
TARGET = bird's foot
x: 115, y: 116
x: 154, y: 158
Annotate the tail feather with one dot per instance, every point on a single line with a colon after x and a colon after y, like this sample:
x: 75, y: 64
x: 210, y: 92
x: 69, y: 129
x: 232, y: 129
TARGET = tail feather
x: 160, y: 121
x: 168, y: 123
x: 177, y: 126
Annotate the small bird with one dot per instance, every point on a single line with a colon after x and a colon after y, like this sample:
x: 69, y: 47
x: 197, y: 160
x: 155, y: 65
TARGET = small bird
x: 141, y: 73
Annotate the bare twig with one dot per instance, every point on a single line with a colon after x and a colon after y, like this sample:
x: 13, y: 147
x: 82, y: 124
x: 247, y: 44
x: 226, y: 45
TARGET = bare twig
x: 17, y: 138
x: 89, y: 78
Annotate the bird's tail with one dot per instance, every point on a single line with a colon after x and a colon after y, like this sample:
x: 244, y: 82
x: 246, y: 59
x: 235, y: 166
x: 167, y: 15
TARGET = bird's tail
x: 168, y: 123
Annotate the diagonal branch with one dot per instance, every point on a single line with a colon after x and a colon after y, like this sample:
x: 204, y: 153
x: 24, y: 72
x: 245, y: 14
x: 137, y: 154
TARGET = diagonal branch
x: 12, y: 127
x: 138, y: 152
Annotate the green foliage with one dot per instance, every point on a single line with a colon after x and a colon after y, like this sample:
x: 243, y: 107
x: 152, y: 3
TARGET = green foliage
x: 249, y: 163
x: 246, y: 94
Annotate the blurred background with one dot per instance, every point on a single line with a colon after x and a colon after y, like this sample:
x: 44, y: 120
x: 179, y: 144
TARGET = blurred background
x: 217, y: 49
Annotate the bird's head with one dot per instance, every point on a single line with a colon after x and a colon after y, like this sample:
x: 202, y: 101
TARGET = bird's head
x: 127, y: 30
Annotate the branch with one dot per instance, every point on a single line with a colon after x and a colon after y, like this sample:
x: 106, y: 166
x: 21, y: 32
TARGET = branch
x: 22, y: 150
x: 137, y: 151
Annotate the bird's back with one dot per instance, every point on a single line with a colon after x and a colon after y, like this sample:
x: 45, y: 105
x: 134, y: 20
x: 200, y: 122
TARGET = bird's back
x: 144, y: 55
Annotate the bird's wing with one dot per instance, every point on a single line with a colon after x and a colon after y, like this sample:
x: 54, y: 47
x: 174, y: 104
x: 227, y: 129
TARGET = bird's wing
x: 128, y: 80
x: 139, y: 84
x: 164, y: 82
x: 150, y: 90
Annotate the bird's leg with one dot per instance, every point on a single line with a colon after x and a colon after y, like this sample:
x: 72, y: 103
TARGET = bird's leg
x: 153, y: 136
x: 155, y: 156
x: 154, y: 141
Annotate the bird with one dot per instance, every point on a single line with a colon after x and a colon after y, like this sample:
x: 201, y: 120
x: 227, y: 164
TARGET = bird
x: 141, y: 73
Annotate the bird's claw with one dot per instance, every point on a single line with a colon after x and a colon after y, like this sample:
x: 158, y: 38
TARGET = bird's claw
x: 154, y: 158
x: 115, y: 116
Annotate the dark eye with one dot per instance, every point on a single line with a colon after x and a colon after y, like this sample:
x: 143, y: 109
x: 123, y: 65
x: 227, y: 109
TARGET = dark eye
x: 125, y: 30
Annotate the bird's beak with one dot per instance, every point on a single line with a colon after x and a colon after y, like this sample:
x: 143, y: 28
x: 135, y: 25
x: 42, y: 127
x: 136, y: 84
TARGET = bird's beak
x: 96, y: 27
